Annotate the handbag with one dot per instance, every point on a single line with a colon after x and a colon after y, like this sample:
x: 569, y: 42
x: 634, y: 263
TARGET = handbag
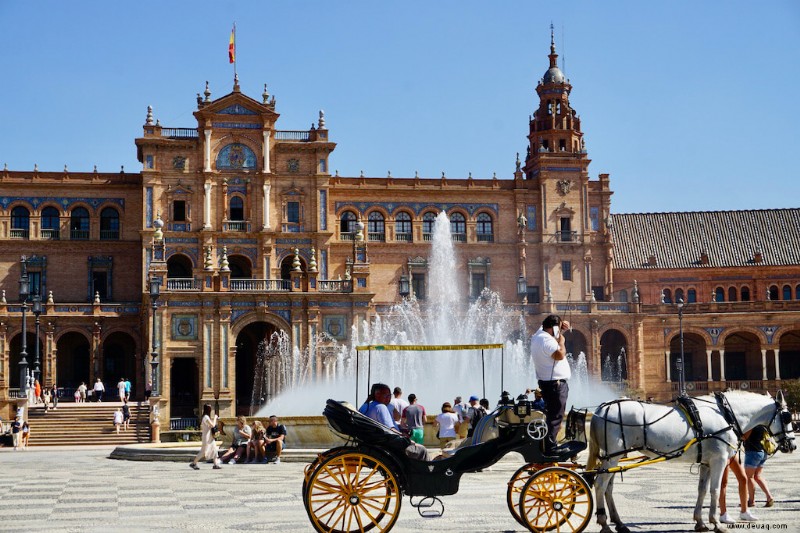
x: 769, y: 444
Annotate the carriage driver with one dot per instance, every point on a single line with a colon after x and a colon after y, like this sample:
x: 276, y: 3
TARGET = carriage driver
x: 552, y: 368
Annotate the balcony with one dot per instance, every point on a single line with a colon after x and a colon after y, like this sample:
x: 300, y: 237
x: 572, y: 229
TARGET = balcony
x: 342, y: 286
x: 19, y: 233
x: 261, y: 285
x: 289, y: 135
x: 79, y: 234
x: 427, y: 237
x: 183, y: 284
x: 376, y: 237
x: 402, y: 237
x: 485, y: 237
x: 459, y: 237
x: 566, y: 236
x: 347, y: 236
x: 237, y: 225
x: 51, y: 234
x: 109, y: 234
x: 180, y: 133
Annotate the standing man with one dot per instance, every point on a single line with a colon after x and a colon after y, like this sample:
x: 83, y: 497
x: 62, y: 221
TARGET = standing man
x: 461, y: 411
x: 99, y: 389
x: 276, y: 433
x: 414, y: 419
x: 121, y: 389
x: 552, y: 368
x: 127, y: 390
x: 398, y: 404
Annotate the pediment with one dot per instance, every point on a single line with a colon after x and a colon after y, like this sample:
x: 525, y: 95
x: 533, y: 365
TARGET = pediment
x: 179, y: 190
x: 236, y: 106
x: 563, y: 210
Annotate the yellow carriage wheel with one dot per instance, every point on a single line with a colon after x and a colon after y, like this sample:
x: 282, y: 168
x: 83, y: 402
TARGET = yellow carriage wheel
x: 556, y: 499
x: 515, y: 485
x: 352, y: 492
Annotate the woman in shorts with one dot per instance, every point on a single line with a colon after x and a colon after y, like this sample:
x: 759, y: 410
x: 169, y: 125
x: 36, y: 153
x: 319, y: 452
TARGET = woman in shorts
x: 754, y: 458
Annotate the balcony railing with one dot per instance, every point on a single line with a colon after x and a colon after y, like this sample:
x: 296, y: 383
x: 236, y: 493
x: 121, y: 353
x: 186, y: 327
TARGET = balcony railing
x: 79, y: 234
x: 292, y: 136
x: 345, y: 285
x: 459, y: 237
x: 237, y: 225
x: 109, y: 234
x: 485, y: 237
x: 19, y: 233
x: 566, y: 236
x: 178, y: 424
x: 51, y: 234
x: 402, y: 237
x: 348, y: 236
x: 376, y: 237
x: 179, y: 133
x: 427, y: 237
x: 261, y: 285
x: 183, y: 284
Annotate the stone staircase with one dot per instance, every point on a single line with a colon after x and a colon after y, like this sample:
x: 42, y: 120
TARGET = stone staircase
x: 75, y: 424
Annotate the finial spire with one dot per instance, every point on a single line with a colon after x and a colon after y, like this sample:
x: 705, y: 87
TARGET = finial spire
x: 207, y: 93
x: 149, y: 120
x: 552, y: 39
x: 265, y: 95
x: 236, y: 87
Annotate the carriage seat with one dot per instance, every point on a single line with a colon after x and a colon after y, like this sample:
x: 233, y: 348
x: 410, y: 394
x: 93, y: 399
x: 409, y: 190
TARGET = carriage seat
x: 344, y: 419
x: 508, y: 416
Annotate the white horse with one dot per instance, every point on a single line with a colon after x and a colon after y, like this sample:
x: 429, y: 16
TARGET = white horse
x: 663, y: 431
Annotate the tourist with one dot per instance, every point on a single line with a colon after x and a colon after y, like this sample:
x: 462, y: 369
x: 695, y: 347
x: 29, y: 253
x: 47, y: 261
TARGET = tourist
x: 398, y: 404
x: 148, y: 390
x: 446, y: 425
x: 741, y: 478
x: 377, y: 408
x: 126, y: 414
x: 241, y: 436
x: 413, y: 419
x: 46, y: 396
x: 538, y: 401
x: 754, y: 458
x: 276, y: 440
x: 121, y: 389
x: 77, y: 396
x: 37, y: 391
x: 208, y: 445
x: 484, y: 403
x: 54, y: 396
x: 118, y: 418
x: 474, y: 414
x: 255, y: 446
x: 461, y: 412
x: 82, y: 391
x: 26, y: 434
x: 99, y: 389
x: 552, y: 368
x: 16, y: 429
x: 127, y: 389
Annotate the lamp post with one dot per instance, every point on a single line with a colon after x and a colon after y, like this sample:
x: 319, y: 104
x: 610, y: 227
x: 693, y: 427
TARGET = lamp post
x: 155, y: 286
x: 37, y: 310
x: 681, y: 376
x: 404, y: 286
x: 522, y: 286
x: 24, y: 292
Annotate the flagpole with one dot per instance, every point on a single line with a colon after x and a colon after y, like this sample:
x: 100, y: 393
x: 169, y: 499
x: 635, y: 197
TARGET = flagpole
x: 234, y: 51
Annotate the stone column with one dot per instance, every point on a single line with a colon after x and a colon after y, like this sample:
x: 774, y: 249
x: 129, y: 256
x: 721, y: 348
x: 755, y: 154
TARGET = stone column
x: 207, y: 156
x: 669, y: 369
x: 777, y: 364
x: 207, y: 206
x: 265, y: 150
x: 265, y: 209
x: 763, y: 364
x: 722, y: 365
x: 708, y: 365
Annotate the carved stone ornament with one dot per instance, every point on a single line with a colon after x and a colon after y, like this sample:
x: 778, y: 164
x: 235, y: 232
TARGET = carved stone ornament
x: 563, y: 186
x: 179, y: 162
x: 293, y: 165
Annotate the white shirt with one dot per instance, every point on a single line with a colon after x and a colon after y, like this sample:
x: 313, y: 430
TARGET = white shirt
x: 399, y: 405
x: 447, y: 424
x: 543, y: 345
x: 121, y: 388
x: 99, y: 386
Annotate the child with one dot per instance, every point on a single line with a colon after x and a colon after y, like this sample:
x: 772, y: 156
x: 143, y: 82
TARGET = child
x: 118, y: 419
x: 26, y: 432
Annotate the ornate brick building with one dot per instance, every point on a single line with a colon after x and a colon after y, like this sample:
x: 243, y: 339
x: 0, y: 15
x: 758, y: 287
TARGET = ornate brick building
x: 248, y: 234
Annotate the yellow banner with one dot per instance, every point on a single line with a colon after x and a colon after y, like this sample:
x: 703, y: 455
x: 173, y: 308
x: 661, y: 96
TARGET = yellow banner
x: 427, y: 347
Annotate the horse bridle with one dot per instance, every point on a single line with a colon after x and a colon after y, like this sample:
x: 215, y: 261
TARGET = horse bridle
x: 785, y: 441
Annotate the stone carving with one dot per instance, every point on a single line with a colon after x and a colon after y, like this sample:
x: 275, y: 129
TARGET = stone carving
x: 563, y: 186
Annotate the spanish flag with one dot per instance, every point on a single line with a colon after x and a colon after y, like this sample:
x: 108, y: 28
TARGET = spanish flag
x: 232, y: 46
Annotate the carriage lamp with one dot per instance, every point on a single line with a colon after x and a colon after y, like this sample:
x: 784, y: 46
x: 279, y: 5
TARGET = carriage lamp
x: 681, y: 376
x: 404, y: 286
x: 522, y: 408
x: 522, y: 286
x: 24, y: 292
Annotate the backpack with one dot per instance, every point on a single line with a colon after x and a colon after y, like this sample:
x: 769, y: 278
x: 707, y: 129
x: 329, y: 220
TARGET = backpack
x: 477, y: 414
x: 769, y: 444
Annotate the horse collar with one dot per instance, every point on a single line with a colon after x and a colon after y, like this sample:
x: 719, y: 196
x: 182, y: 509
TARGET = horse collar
x: 728, y: 414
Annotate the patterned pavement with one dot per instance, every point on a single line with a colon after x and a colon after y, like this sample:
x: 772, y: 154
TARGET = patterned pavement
x: 80, y: 489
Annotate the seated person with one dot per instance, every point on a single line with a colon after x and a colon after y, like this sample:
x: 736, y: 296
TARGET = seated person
x: 275, y: 440
x: 376, y: 406
x: 538, y: 402
x: 255, y: 448
x: 241, y: 436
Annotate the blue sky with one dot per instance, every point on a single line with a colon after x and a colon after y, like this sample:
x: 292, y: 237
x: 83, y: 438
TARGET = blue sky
x: 687, y: 105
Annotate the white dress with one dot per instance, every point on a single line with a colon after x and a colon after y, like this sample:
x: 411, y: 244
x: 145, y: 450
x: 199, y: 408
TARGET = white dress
x: 209, y: 451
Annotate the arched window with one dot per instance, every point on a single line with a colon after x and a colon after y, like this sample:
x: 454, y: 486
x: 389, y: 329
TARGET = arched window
x: 732, y: 293
x: 667, y: 294
x: 109, y: 224
x: 79, y: 224
x: 773, y: 292
x: 402, y: 227
x: 623, y: 295
x: 236, y: 211
x: 745, y: 294
x: 20, y: 222
x: 347, y: 226
x: 428, y: 219
x: 691, y: 296
x: 719, y: 294
x: 484, y: 228
x: 797, y: 293
x: 376, y: 227
x: 51, y: 223
x: 679, y: 295
x: 458, y: 227
x: 787, y: 292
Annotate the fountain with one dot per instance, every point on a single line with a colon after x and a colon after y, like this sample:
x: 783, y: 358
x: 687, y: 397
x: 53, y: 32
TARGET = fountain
x: 284, y: 381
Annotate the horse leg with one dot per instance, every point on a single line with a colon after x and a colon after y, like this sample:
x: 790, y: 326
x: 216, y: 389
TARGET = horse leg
x: 702, y: 488
x: 600, y: 486
x: 716, y: 469
x: 612, y: 509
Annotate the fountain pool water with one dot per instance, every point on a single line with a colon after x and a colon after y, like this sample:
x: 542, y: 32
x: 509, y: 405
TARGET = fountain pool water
x: 434, y: 376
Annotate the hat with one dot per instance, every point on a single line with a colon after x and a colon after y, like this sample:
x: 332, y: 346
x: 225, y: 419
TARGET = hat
x: 473, y: 398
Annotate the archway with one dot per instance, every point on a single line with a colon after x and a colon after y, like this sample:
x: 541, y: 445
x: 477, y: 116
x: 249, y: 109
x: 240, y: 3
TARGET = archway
x: 613, y: 356
x: 742, y: 357
x: 119, y: 361
x: 184, y: 395
x: 695, y: 364
x: 240, y: 267
x: 576, y: 344
x: 14, y: 358
x: 789, y: 357
x: 247, y: 345
x: 72, y: 360
x: 286, y: 266
x: 179, y: 266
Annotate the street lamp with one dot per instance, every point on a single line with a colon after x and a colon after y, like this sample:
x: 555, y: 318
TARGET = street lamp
x: 522, y: 286
x: 681, y: 377
x: 24, y: 292
x: 155, y: 286
x: 403, y: 286
x: 37, y: 310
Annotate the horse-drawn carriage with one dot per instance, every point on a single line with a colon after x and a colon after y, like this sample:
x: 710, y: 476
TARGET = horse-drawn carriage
x: 359, y: 486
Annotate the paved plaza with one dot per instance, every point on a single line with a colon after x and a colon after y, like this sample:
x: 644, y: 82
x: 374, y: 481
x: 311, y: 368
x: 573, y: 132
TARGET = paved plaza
x: 83, y: 490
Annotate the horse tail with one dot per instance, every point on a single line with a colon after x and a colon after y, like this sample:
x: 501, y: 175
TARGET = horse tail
x: 594, y: 447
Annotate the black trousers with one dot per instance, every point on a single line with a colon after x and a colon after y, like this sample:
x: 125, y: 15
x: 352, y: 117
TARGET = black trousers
x: 554, y: 394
